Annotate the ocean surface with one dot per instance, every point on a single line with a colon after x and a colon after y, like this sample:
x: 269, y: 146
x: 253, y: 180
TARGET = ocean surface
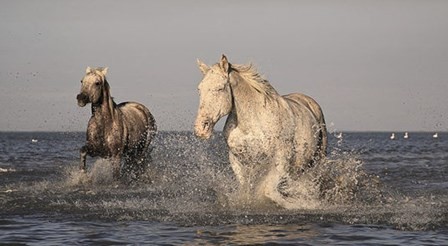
x: 370, y: 191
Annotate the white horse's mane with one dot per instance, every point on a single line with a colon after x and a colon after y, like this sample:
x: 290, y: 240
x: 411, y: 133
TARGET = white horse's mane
x: 250, y: 74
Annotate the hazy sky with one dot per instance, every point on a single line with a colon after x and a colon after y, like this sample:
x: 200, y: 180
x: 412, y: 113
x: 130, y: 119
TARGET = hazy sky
x: 372, y: 65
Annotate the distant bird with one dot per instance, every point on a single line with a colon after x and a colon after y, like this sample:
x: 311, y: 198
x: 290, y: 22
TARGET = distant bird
x: 435, y: 135
x: 34, y: 140
x: 392, y: 137
x: 406, y: 135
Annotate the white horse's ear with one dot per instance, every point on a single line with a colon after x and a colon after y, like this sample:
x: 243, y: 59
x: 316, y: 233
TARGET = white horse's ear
x: 203, y: 67
x: 88, y: 70
x: 104, y: 71
x: 224, y: 64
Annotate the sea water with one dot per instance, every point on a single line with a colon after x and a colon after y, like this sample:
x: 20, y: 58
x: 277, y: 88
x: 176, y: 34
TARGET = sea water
x: 371, y: 190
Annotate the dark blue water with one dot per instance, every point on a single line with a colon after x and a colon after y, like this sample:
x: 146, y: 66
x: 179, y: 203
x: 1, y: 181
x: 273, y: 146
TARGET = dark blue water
x: 371, y: 191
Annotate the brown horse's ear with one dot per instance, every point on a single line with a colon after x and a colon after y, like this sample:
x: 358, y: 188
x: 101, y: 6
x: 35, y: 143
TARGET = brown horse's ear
x: 203, y: 67
x: 224, y: 64
x: 88, y: 70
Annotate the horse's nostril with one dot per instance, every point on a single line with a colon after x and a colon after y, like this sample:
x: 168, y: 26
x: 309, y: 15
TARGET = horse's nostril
x: 81, y: 96
x: 83, y: 99
x: 206, y: 124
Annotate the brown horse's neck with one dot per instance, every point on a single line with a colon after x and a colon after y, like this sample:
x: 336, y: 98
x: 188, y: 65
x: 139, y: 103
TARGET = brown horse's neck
x: 105, y: 110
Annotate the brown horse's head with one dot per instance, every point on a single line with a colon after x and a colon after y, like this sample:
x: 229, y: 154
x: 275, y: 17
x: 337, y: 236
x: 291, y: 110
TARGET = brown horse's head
x: 92, y: 86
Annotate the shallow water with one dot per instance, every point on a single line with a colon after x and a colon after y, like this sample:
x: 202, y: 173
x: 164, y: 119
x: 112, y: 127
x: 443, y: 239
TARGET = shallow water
x: 371, y: 191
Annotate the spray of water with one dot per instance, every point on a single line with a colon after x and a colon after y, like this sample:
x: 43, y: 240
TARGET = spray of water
x: 191, y: 182
x: 99, y: 175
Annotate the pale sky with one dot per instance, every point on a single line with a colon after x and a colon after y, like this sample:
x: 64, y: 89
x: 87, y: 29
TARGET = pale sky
x: 372, y: 65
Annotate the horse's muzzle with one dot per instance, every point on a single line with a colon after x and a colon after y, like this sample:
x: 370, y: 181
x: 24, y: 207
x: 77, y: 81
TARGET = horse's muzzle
x: 83, y: 99
x: 203, y: 129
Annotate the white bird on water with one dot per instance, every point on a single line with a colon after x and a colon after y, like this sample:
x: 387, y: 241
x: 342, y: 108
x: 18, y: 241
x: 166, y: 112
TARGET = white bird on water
x: 392, y: 137
x: 406, y: 135
x: 34, y: 140
x: 435, y: 135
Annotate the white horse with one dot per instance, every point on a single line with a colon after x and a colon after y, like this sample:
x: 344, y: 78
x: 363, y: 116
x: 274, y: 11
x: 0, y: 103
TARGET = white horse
x: 270, y: 137
x: 117, y: 132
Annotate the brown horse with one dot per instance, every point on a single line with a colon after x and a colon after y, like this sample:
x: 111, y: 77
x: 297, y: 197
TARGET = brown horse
x: 117, y: 132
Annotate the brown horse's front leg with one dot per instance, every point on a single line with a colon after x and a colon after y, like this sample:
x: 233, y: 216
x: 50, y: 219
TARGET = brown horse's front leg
x: 116, y: 167
x: 83, y: 154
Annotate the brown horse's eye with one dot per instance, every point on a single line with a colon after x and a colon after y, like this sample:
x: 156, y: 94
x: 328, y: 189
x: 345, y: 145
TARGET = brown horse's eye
x: 97, y: 83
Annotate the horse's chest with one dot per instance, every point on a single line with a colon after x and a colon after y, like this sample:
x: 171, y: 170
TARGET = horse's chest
x: 248, y: 148
x: 104, y: 142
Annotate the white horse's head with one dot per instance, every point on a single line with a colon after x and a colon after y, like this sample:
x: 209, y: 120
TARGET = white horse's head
x: 215, y: 97
x: 92, y: 86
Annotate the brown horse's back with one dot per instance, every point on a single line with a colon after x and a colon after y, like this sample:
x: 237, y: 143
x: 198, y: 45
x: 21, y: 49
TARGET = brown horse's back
x: 139, y: 124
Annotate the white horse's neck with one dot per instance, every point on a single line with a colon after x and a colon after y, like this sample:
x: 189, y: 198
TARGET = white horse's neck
x: 248, y: 103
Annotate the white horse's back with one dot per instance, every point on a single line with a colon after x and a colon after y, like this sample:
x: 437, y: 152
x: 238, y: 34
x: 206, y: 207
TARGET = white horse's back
x: 316, y: 111
x: 308, y: 102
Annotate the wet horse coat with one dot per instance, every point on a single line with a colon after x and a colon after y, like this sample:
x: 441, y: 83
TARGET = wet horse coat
x: 117, y: 132
x: 270, y: 137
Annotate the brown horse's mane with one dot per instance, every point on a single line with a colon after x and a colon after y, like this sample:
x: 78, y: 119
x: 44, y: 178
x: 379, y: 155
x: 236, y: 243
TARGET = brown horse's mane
x: 107, y: 96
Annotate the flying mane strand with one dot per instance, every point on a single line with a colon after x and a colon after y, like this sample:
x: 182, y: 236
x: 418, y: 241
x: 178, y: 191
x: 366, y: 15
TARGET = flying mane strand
x: 255, y: 80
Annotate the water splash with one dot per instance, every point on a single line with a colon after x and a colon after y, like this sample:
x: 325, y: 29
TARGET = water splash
x: 99, y: 174
x: 340, y: 181
x: 5, y: 170
x: 190, y: 182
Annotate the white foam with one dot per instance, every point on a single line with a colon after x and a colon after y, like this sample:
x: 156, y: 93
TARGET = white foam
x: 99, y: 174
x: 6, y: 170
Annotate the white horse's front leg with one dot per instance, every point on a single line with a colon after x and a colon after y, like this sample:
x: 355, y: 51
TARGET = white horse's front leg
x: 237, y: 170
x: 269, y: 187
